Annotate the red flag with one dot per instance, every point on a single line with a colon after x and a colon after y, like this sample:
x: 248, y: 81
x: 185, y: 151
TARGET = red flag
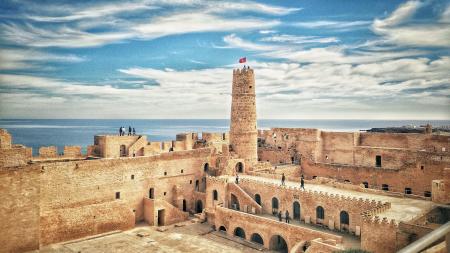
x: 242, y: 60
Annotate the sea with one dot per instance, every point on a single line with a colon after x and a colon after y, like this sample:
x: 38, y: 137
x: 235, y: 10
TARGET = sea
x: 36, y: 133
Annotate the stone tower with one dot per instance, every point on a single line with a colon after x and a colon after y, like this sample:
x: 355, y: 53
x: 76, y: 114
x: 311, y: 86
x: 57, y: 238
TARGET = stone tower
x: 243, y: 131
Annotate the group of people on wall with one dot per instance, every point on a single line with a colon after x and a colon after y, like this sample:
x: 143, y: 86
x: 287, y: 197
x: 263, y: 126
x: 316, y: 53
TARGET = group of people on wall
x: 131, y: 131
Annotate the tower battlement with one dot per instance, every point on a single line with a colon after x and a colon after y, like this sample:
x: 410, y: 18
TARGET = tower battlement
x: 243, y: 130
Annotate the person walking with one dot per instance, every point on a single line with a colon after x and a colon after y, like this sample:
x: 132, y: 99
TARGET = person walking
x: 287, y: 216
x: 279, y: 216
x: 283, y: 178
x: 134, y: 131
x: 120, y: 131
x: 237, y: 178
x: 123, y: 131
x: 302, y: 183
x: 129, y: 130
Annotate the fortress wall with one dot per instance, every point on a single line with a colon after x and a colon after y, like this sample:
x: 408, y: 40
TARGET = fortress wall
x: 332, y: 204
x: 379, y: 236
x: 19, y: 209
x: 337, y: 147
x: 390, y: 158
x: 274, y: 156
x: 412, y: 176
x: 215, y: 137
x: 78, y: 198
x: 72, y: 151
x: 13, y: 157
x: 48, y: 152
x: 5, y: 139
x: 411, y: 141
x: 220, y: 185
x: 110, y: 144
x: 178, y: 145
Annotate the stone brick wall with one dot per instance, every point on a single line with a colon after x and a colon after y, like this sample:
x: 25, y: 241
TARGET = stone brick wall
x: 72, y: 151
x: 61, y: 201
x: 48, y: 152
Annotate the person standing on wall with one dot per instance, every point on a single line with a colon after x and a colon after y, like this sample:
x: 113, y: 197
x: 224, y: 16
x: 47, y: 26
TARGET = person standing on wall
x: 280, y: 218
x: 134, y: 131
x: 237, y: 178
x: 302, y: 183
x: 120, y: 131
x: 287, y: 216
x: 129, y: 130
x: 283, y: 178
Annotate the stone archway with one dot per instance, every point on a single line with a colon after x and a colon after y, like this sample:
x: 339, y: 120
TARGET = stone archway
x: 239, y: 167
x: 278, y: 244
x: 257, y: 238
x: 223, y: 229
x: 234, y: 202
x: 239, y: 232
x: 198, y: 206
x: 296, y: 210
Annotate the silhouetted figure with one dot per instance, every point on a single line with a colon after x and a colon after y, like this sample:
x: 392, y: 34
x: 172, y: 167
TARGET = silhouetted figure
x: 237, y: 178
x: 283, y: 178
x: 134, y: 131
x: 129, y: 130
x: 287, y: 216
x: 123, y: 131
x: 279, y: 216
x: 302, y: 183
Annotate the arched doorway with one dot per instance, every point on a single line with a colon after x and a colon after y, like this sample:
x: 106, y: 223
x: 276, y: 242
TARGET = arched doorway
x: 345, y: 220
x: 239, y: 232
x: 257, y: 239
x: 277, y: 243
x: 123, y: 151
x: 215, y: 195
x: 199, y: 206
x: 234, y: 202
x: 296, y: 210
x: 184, y: 206
x: 320, y: 214
x: 206, y: 167
x: 258, y: 199
x: 239, y: 167
x: 274, y: 206
x: 222, y: 229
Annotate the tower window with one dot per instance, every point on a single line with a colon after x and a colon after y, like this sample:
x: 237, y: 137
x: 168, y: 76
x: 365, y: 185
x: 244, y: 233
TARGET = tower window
x: 378, y: 161
x: 422, y: 167
x: 165, y: 173
x: 408, y: 190
x: 132, y: 177
x: 385, y: 187
x: 117, y: 195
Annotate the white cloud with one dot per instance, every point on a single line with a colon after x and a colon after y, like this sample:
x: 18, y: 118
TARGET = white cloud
x: 234, y: 41
x: 300, y: 39
x: 395, y: 28
x: 329, y: 24
x: 27, y: 58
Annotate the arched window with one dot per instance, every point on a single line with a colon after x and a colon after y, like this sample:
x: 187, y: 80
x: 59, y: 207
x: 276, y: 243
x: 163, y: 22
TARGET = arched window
x: 258, y: 199
x: 215, y: 195
x: 257, y: 238
x: 320, y: 213
x: 239, y: 232
x: 296, y: 210
x: 239, y: 167
x: 274, y: 206
x: 222, y: 228
x: 345, y: 220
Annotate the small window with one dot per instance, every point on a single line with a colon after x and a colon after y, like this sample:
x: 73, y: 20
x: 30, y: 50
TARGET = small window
x: 385, y: 187
x: 165, y: 173
x: 215, y: 195
x: 250, y: 87
x: 422, y: 167
x: 182, y: 171
x: 117, y: 195
x: 314, y: 177
x: 190, y: 181
x: 165, y: 193
x: 134, y: 210
x: 366, y: 184
x: 347, y: 181
x: 378, y: 161
x: 132, y: 177
x: 408, y: 190
x: 427, y: 194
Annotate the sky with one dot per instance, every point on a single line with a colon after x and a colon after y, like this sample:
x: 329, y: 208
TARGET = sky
x: 313, y: 59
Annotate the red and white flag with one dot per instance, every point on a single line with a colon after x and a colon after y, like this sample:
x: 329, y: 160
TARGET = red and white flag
x: 242, y: 60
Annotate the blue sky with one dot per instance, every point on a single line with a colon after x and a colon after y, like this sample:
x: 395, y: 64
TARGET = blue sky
x: 174, y: 59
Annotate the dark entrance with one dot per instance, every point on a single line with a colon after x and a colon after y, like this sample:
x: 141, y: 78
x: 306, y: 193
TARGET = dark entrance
x: 277, y: 243
x: 199, y: 206
x: 258, y: 199
x: 296, y: 207
x: 274, y: 206
x: 151, y: 193
x: 161, y: 217
x: 184, y: 205
x: 123, y: 150
x: 257, y: 238
x: 378, y: 161
x: 239, y: 167
x: 239, y: 232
